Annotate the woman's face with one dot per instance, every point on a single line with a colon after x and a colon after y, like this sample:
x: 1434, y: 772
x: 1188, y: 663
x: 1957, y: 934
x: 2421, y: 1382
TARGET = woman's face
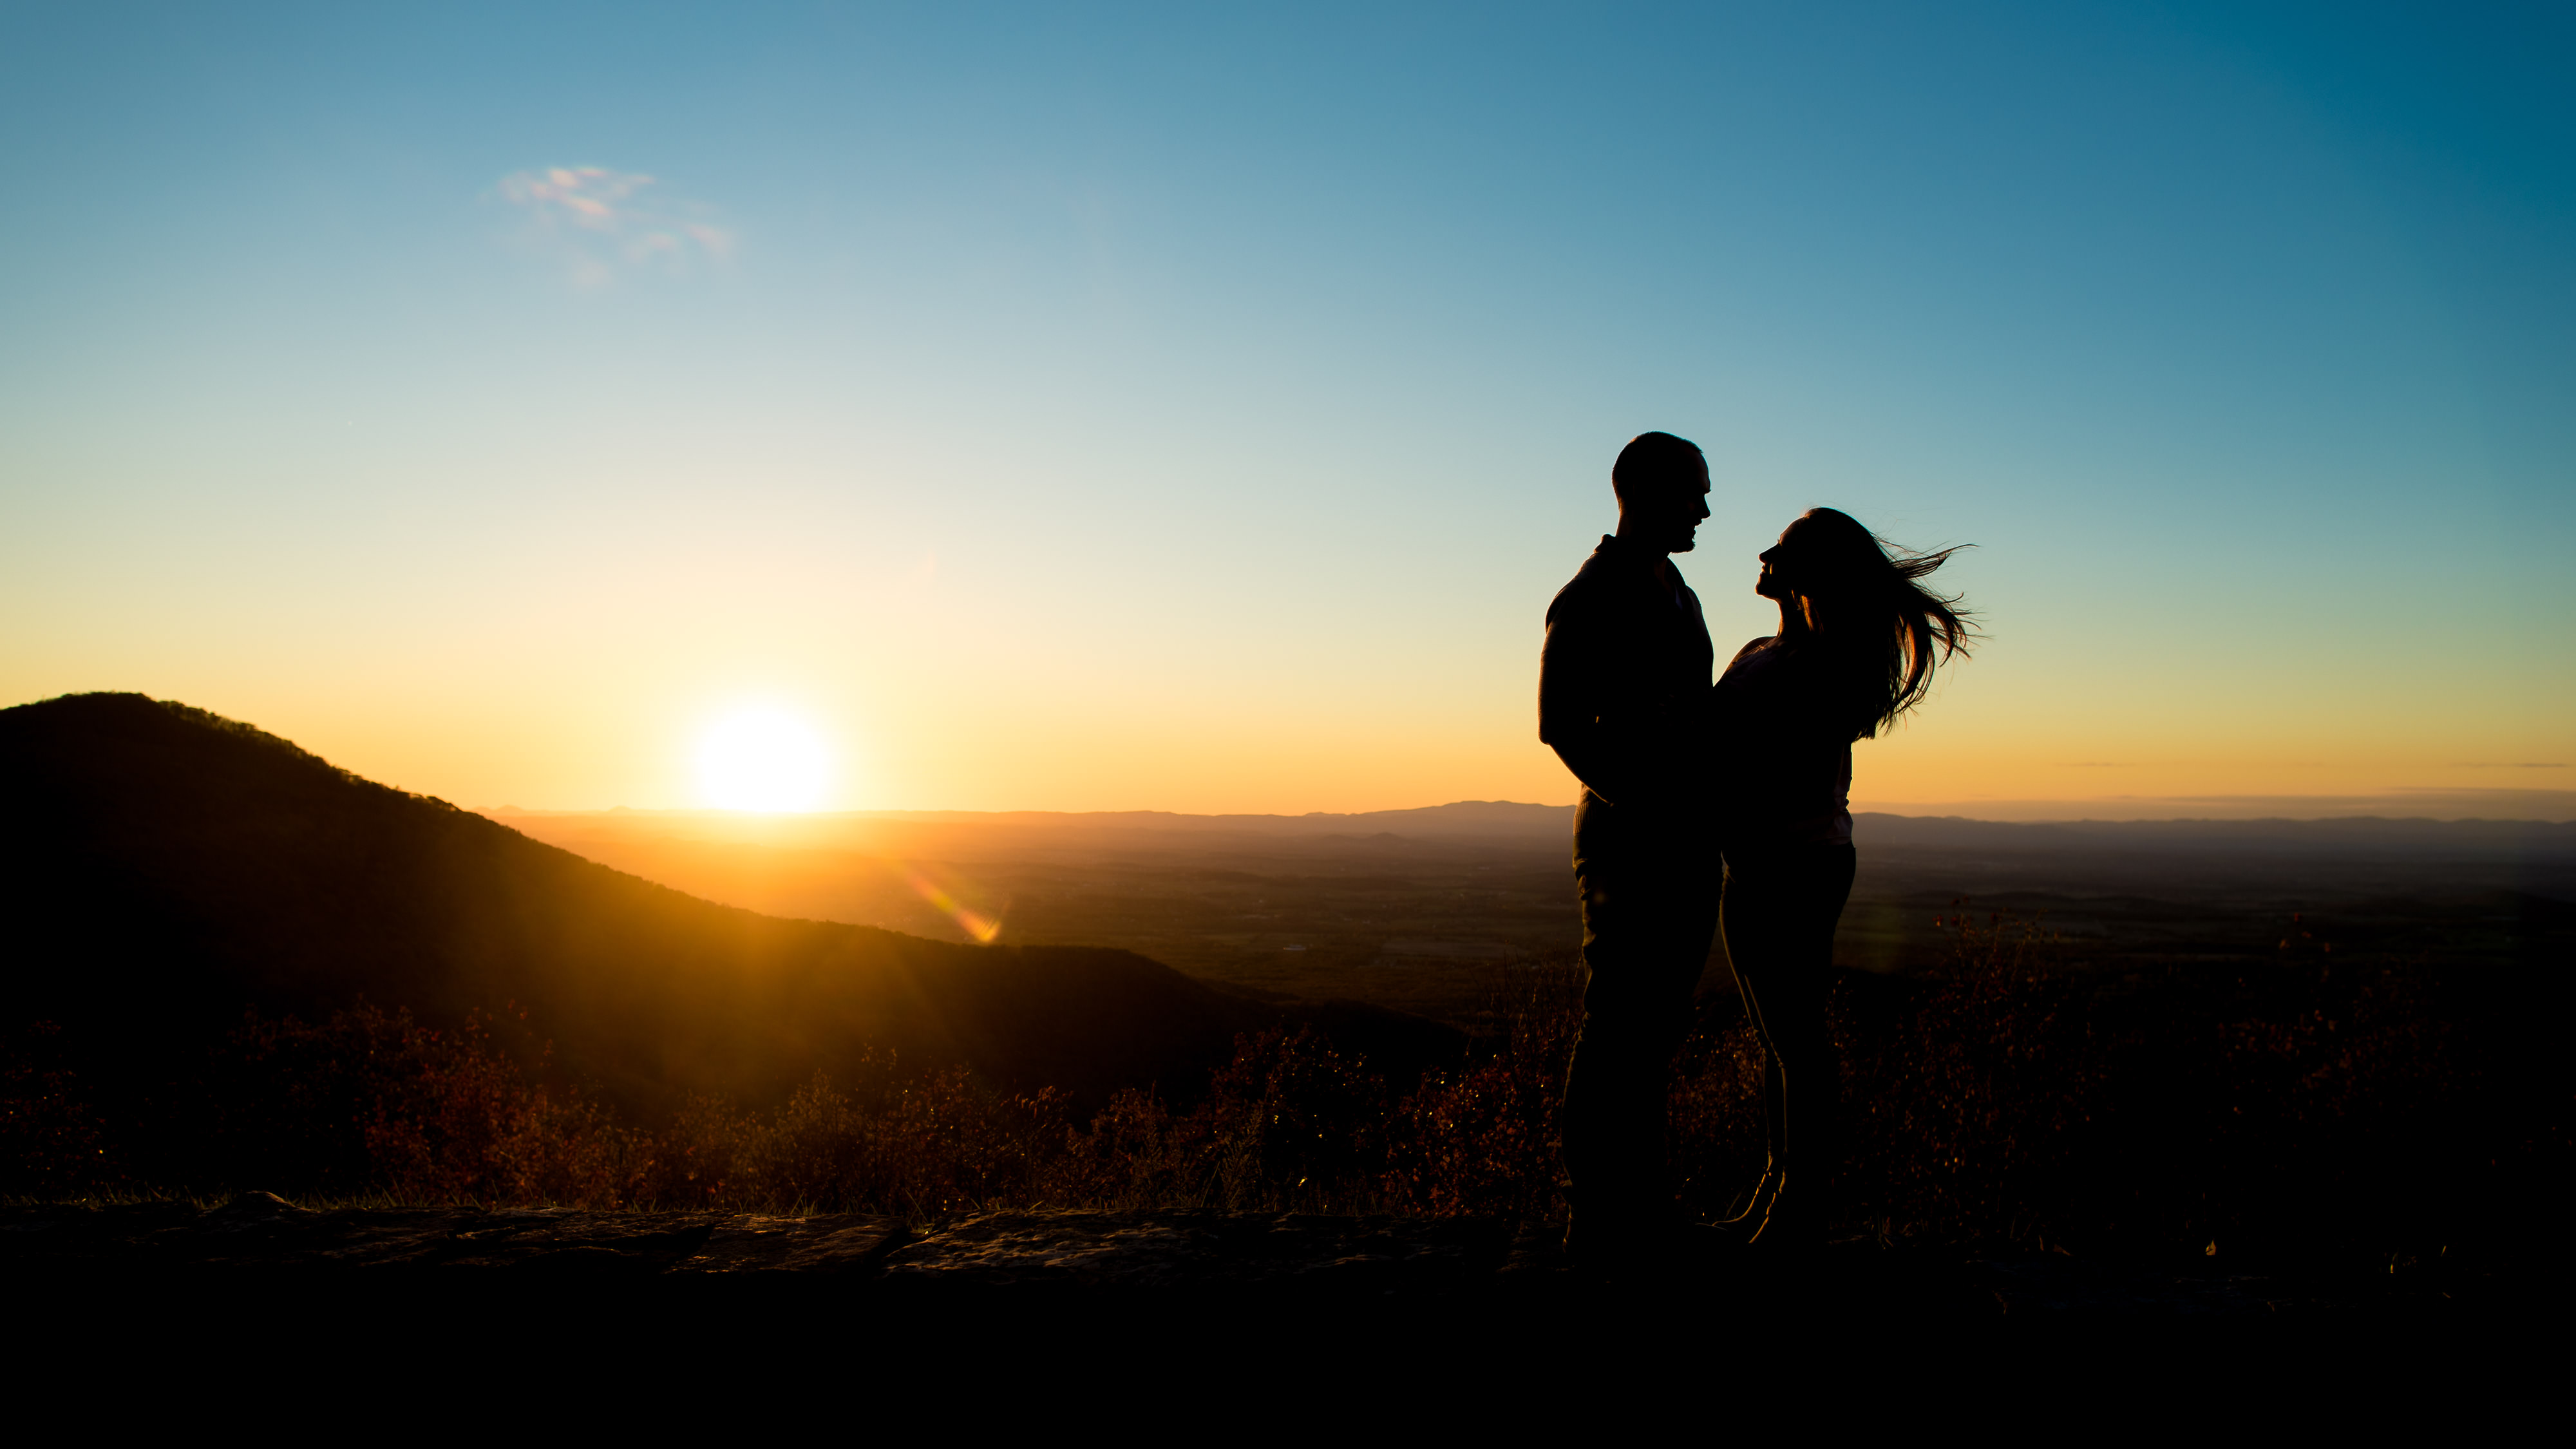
x: 1780, y: 571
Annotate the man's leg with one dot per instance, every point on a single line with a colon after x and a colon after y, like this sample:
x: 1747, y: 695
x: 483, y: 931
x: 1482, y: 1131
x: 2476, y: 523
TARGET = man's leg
x: 1649, y: 915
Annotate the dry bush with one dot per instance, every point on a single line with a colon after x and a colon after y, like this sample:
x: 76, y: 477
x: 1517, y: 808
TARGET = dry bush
x: 463, y: 1123
x: 1483, y: 1139
x: 1290, y: 1123
x: 2008, y: 1096
x: 919, y: 1146
x: 1959, y: 1109
x: 52, y: 1139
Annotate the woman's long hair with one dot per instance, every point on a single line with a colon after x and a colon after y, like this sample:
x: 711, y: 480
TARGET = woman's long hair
x: 1867, y: 612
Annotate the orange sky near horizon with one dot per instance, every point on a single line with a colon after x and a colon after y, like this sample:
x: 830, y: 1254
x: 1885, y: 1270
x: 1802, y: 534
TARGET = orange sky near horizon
x: 982, y: 752
x: 1011, y: 680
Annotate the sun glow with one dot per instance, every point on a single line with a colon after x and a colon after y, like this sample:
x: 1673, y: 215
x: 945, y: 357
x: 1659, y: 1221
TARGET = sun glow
x: 765, y: 760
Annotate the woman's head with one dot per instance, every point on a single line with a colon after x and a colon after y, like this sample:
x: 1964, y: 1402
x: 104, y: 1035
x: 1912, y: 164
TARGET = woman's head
x: 1861, y: 606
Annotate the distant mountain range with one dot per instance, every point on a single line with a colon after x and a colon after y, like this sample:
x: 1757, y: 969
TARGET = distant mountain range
x: 2364, y: 836
x: 164, y: 869
x: 1507, y: 823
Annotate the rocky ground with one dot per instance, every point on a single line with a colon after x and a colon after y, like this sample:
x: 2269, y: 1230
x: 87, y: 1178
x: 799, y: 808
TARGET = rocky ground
x: 1142, y: 1258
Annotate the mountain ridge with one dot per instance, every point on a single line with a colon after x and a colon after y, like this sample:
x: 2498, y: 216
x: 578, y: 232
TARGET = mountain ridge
x: 167, y: 868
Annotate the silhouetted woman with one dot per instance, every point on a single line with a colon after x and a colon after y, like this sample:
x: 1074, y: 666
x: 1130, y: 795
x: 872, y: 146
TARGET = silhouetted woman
x: 1857, y: 643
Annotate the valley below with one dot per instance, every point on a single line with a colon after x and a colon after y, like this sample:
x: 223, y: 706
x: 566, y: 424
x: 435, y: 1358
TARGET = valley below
x: 1431, y: 911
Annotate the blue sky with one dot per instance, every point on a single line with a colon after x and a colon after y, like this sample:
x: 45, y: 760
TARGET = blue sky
x: 1104, y: 407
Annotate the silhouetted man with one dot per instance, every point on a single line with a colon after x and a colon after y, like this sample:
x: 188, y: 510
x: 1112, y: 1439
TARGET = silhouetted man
x: 1622, y: 678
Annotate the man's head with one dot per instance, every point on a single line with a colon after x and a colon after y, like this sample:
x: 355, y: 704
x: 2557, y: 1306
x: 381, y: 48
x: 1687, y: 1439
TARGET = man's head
x: 1662, y: 484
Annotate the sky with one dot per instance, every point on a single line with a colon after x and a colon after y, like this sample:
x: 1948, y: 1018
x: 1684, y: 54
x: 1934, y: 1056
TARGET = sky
x: 1194, y: 408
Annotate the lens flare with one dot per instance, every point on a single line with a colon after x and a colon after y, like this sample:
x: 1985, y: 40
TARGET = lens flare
x: 763, y: 760
x: 974, y: 923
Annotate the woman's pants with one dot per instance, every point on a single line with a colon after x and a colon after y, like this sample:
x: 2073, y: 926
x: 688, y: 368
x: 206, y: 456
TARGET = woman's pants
x: 1778, y: 918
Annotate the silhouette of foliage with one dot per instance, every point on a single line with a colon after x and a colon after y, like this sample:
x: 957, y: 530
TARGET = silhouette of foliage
x: 51, y: 1138
x: 2008, y: 1098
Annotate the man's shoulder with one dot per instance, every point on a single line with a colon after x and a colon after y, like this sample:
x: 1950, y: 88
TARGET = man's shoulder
x: 1604, y: 573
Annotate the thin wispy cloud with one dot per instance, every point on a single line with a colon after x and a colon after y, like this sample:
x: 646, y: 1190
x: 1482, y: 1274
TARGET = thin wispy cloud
x: 602, y: 224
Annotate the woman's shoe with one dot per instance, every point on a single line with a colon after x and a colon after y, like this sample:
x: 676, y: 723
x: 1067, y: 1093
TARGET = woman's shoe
x: 1748, y: 1210
x: 1788, y: 1224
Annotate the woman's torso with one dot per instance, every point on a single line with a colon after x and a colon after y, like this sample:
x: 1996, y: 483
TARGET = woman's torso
x: 1784, y: 772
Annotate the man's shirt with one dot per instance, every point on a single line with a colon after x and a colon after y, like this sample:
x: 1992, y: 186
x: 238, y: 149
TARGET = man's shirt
x: 1623, y: 679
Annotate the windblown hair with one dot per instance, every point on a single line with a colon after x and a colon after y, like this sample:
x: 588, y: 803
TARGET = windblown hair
x: 1871, y: 616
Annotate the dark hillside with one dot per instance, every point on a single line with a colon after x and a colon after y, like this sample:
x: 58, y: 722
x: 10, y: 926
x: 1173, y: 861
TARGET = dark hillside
x: 166, y: 869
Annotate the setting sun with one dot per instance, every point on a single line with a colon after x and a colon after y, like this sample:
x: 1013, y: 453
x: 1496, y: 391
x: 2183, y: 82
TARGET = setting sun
x: 763, y: 759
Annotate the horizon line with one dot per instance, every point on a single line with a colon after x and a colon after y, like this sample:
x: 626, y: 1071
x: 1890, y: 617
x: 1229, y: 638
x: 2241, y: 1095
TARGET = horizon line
x: 2019, y: 810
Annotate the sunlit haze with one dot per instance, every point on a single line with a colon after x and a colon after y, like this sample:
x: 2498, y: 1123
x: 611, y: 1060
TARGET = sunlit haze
x: 1093, y: 408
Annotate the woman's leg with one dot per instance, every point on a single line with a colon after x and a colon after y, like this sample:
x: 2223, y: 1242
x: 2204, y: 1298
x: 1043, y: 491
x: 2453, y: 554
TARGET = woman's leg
x: 1750, y: 921
x: 1780, y: 912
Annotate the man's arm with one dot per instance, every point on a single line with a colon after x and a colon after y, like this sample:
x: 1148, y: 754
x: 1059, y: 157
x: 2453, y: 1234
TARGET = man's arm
x: 1570, y: 701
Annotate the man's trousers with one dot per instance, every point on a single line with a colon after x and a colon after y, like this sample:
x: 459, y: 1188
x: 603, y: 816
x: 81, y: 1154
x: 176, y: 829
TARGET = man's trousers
x: 1649, y: 887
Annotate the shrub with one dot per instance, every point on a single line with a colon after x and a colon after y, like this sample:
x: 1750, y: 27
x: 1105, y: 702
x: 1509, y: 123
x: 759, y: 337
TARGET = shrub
x: 1960, y: 1109
x: 52, y: 1140
x: 2010, y: 1095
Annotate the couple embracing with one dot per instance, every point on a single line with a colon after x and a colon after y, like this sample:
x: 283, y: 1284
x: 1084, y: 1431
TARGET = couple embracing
x: 1706, y: 804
